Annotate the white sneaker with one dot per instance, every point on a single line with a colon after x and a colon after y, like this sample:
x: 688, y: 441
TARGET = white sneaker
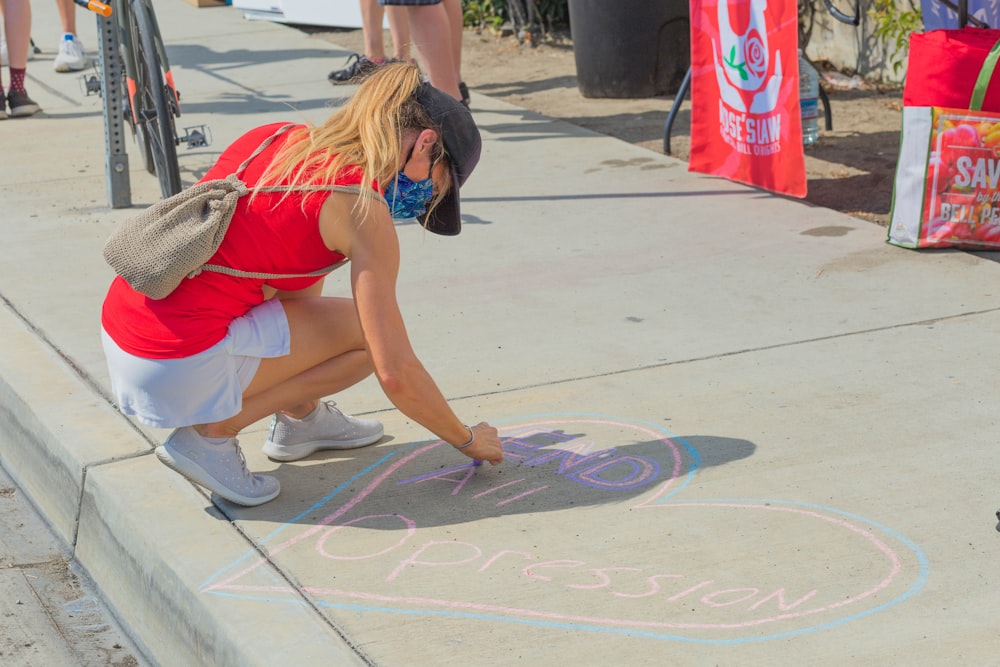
x: 326, y: 428
x: 219, y: 468
x: 71, y: 56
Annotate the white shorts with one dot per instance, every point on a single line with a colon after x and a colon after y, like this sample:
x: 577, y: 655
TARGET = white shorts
x: 203, y: 388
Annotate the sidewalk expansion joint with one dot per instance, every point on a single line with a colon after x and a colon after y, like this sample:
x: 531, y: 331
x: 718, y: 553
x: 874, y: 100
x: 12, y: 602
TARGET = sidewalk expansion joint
x: 720, y: 355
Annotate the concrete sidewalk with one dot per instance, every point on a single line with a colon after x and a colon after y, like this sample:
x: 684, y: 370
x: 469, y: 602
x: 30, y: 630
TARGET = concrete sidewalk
x: 742, y: 430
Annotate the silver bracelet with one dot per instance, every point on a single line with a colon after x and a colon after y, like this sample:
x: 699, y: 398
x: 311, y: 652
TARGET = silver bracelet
x: 472, y: 440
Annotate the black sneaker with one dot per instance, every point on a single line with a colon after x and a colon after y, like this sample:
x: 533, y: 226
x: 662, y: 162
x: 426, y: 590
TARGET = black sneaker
x: 464, y: 90
x: 21, y: 105
x: 357, y: 67
x: 3, y: 106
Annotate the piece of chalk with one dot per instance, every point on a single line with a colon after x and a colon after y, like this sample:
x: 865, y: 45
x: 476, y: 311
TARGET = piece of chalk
x: 477, y: 462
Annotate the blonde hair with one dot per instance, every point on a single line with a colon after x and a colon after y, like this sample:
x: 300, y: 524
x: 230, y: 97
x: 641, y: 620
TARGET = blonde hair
x: 366, y: 134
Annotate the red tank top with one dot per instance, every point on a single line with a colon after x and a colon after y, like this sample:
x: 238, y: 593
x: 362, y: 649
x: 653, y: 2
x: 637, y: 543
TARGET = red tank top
x: 265, y: 236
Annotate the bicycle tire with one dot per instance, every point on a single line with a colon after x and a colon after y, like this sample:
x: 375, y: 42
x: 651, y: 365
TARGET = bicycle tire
x: 127, y: 54
x: 153, y: 112
x: 145, y: 149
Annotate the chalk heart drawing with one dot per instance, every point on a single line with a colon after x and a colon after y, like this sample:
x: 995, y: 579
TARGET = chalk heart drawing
x: 583, y: 528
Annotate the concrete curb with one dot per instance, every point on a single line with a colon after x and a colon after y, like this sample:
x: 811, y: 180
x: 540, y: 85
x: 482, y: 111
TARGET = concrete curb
x: 55, y: 426
x: 91, y: 475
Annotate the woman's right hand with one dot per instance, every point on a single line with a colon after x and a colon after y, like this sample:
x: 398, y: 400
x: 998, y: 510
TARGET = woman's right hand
x: 487, y: 445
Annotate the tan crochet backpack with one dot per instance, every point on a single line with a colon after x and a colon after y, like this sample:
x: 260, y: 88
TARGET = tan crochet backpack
x: 174, y: 238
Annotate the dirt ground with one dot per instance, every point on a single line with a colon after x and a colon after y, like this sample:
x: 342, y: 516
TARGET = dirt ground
x: 850, y: 169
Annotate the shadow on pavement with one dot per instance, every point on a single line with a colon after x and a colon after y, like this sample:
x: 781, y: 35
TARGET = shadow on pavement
x: 546, y: 471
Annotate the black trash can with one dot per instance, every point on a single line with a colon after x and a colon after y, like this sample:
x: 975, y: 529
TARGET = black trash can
x: 630, y: 48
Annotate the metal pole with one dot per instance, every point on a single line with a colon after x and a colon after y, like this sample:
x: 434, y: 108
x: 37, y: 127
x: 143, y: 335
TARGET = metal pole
x: 116, y: 158
x: 674, y: 108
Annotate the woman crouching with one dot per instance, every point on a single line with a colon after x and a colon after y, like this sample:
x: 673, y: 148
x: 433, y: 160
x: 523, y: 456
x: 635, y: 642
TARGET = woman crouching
x: 223, y: 351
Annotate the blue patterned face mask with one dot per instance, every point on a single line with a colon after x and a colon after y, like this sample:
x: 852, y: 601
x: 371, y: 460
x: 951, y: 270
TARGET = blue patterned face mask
x: 408, y: 198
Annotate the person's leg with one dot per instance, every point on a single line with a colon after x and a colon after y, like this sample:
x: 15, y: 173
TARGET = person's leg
x: 431, y: 31
x: 17, y: 27
x: 371, y: 29
x: 399, y: 29
x: 327, y: 355
x: 455, y: 21
x: 67, y: 15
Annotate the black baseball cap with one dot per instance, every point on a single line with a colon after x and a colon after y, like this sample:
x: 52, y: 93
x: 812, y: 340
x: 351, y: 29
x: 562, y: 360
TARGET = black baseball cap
x: 463, y: 145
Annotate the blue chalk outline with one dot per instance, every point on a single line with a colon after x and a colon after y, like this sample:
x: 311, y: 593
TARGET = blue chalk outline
x: 924, y: 569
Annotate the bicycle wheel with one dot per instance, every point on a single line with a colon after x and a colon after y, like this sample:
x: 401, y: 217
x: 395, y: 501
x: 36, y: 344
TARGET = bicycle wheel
x: 154, y: 114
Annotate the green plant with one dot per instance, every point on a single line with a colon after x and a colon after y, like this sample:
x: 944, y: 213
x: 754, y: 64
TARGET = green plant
x: 482, y: 14
x: 894, y: 21
x: 541, y: 14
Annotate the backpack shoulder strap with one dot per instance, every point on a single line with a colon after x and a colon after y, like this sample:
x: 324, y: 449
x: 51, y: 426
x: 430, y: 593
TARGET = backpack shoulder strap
x: 263, y: 146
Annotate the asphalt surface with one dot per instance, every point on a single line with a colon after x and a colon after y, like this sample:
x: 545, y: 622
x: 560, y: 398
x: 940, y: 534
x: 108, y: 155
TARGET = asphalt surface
x: 741, y: 430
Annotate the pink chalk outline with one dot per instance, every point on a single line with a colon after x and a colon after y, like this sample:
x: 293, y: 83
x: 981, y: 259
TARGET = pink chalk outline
x: 655, y: 501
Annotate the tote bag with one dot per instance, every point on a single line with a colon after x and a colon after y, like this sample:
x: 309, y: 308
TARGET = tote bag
x: 947, y: 185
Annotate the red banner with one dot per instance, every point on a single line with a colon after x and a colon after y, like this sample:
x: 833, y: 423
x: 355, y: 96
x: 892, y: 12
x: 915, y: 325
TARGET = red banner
x: 745, y: 119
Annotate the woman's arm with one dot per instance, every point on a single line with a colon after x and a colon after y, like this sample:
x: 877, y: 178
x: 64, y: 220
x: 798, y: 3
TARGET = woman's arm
x: 373, y: 247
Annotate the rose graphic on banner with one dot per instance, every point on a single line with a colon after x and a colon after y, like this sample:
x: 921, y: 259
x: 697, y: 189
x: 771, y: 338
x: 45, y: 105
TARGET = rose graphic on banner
x: 739, y: 52
x: 746, y: 64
